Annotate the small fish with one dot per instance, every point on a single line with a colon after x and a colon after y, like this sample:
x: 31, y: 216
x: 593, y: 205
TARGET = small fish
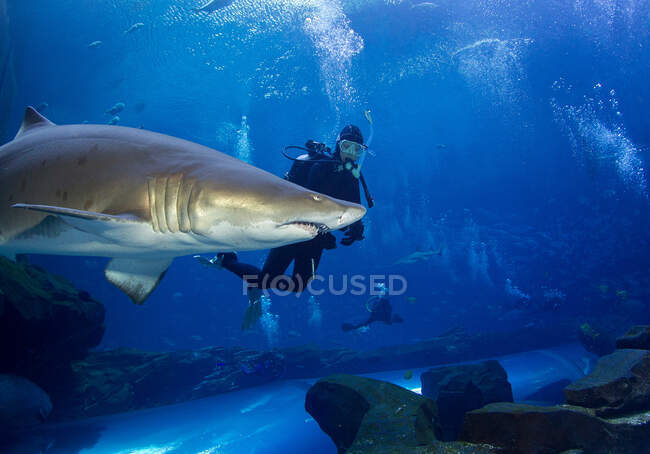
x: 411, y: 299
x: 418, y: 256
x: 95, y: 44
x: 117, y: 108
x: 427, y: 5
x: 42, y: 107
x: 134, y: 27
x: 408, y: 374
x: 115, y: 120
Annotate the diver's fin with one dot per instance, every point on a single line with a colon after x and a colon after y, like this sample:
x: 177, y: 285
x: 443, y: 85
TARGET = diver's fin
x: 32, y: 120
x: 254, y: 310
x: 137, y: 277
x: 87, y: 221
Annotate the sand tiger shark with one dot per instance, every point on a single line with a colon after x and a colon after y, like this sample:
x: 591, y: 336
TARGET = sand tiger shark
x: 143, y: 198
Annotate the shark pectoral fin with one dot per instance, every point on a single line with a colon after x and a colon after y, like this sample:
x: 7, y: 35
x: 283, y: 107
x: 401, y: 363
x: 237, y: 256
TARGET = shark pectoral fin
x: 137, y: 277
x: 77, y: 214
x: 87, y: 221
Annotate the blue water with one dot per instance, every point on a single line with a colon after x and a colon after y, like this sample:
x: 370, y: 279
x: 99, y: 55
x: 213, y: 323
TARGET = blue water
x: 513, y: 134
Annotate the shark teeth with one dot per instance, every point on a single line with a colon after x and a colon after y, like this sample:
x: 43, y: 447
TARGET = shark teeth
x: 312, y: 227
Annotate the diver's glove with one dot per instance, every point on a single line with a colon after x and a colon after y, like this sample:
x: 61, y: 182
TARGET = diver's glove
x: 328, y: 241
x: 354, y: 233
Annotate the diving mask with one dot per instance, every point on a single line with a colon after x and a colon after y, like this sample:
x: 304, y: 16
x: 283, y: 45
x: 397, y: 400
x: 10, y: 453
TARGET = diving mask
x: 351, y: 151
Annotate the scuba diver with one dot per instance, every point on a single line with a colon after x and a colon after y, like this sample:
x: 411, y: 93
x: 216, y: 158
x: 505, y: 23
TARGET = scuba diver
x: 335, y: 174
x: 380, y: 311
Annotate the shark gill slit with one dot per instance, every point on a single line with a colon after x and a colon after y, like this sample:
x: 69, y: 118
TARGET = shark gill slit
x: 161, y: 186
x: 183, y: 204
x: 151, y: 183
x: 169, y: 203
x: 172, y: 190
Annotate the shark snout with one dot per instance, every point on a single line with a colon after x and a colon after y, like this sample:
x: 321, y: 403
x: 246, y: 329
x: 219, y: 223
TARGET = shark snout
x: 350, y: 215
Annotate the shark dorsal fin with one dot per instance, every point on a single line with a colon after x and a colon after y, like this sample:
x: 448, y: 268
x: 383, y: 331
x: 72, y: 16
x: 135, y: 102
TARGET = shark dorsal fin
x: 32, y: 120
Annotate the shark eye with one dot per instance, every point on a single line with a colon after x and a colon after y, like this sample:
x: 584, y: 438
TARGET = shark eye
x: 316, y: 197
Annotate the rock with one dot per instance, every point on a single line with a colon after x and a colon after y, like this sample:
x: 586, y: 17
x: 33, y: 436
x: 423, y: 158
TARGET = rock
x: 636, y: 338
x: 125, y: 380
x: 619, y: 384
x: 44, y: 322
x: 22, y: 403
x: 454, y: 399
x: 459, y: 389
x: 361, y: 414
x: 366, y: 416
x: 526, y: 429
x: 488, y: 376
x: 597, y: 341
x: 339, y: 411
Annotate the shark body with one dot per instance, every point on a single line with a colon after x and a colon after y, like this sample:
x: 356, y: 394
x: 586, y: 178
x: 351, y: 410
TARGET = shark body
x: 143, y: 198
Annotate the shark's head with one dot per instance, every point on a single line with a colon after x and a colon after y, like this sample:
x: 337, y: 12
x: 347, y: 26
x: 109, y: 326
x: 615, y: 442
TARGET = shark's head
x: 257, y: 210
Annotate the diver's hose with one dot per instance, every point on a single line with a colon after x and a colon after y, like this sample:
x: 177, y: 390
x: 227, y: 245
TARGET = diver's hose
x: 368, y: 116
x: 369, y: 200
x: 296, y: 147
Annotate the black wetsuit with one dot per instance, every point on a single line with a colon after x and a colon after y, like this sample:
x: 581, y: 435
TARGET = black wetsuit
x: 328, y: 177
x: 381, y: 311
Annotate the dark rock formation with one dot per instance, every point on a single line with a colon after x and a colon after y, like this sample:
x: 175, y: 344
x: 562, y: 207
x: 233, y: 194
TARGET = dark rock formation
x: 366, y: 416
x: 598, y: 341
x: 619, y: 384
x: 22, y: 403
x: 638, y: 337
x: 339, y: 410
x: 124, y: 380
x: 525, y: 429
x: 459, y: 389
x: 44, y: 322
x: 360, y: 413
x: 488, y: 376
